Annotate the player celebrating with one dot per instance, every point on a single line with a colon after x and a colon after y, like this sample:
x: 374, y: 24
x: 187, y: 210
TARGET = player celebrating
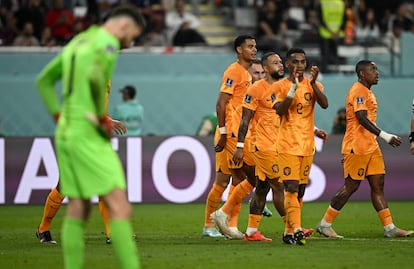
x: 296, y: 96
x: 87, y: 163
x: 362, y: 154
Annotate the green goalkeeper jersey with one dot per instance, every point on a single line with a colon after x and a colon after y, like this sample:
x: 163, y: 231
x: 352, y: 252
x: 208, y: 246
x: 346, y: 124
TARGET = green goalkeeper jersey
x: 84, y: 66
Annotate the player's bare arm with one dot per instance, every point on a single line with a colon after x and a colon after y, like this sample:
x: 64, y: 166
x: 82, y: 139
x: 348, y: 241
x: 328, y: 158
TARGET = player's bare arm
x: 221, y: 104
x: 321, y: 98
x: 247, y: 115
x: 391, y: 139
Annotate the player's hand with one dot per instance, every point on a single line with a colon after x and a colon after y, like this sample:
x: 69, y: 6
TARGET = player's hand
x: 105, y: 126
x: 221, y: 143
x: 314, y: 72
x: 238, y: 156
x: 391, y: 139
x: 321, y: 134
x: 118, y: 127
x: 56, y: 117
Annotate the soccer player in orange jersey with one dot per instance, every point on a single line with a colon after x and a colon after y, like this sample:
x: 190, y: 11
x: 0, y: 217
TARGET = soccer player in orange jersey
x: 296, y: 96
x: 411, y: 137
x: 362, y: 154
x: 223, y: 173
x: 235, y: 81
x: 260, y: 119
x: 55, y: 198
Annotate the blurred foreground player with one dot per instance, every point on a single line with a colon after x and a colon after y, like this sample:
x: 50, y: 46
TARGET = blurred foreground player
x: 87, y: 163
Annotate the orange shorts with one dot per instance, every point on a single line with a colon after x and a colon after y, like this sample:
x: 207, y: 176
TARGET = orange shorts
x: 358, y: 167
x: 231, y: 145
x: 266, y: 164
x: 221, y: 163
x: 295, y: 167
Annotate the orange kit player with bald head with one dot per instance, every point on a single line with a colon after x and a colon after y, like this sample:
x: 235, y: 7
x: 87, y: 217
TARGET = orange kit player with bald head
x: 362, y: 154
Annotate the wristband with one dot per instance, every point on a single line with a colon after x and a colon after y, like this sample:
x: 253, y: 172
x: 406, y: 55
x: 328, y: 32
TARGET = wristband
x: 240, y: 144
x: 386, y: 136
x: 411, y: 137
x: 292, y: 91
x: 223, y: 130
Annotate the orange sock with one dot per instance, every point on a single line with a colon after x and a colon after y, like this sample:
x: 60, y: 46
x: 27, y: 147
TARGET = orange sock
x: 105, y: 217
x: 240, y: 192
x: 385, y: 217
x: 254, y: 221
x: 293, y: 214
x: 233, y: 204
x: 52, y: 205
x: 212, y: 203
x: 288, y: 228
x: 330, y: 215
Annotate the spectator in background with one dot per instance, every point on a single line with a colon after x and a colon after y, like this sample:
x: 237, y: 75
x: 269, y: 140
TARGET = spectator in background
x: 332, y: 19
x: 26, y: 37
x: 61, y: 22
x: 154, y: 33
x: 208, y: 125
x: 339, y: 124
x: 182, y: 27
x: 402, y: 17
x: 47, y: 40
x: 130, y: 111
x: 393, y: 39
x: 367, y: 29
x: 8, y: 29
x: 270, y: 27
x: 34, y: 11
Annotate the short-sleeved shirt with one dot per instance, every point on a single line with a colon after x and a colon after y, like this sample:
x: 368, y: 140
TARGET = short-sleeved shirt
x: 357, y: 138
x: 296, y: 132
x: 264, y: 126
x: 235, y: 81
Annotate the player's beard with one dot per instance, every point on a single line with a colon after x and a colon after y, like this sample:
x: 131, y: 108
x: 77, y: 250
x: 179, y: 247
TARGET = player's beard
x: 276, y: 75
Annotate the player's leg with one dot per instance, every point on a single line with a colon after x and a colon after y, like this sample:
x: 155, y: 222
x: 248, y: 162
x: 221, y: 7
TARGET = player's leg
x: 51, y: 207
x: 257, y: 205
x: 105, y: 218
x: 354, y: 173
x: 120, y: 211
x: 213, y: 201
x: 73, y: 228
x: 376, y: 174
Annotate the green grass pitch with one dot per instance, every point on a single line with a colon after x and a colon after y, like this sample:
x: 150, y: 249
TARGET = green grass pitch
x: 169, y: 236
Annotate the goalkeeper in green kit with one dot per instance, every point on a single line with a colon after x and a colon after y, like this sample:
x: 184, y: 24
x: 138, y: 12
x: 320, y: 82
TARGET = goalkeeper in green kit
x: 88, y: 165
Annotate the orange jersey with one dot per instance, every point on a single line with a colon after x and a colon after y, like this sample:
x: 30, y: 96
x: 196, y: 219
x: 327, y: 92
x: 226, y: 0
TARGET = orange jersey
x: 296, y: 132
x: 235, y: 81
x: 357, y: 138
x: 264, y: 126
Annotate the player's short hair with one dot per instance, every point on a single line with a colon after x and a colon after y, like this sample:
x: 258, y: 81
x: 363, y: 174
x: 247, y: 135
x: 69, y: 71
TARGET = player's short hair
x: 238, y: 41
x: 130, y: 11
x: 256, y: 61
x: 293, y: 51
x: 266, y: 56
x: 362, y: 65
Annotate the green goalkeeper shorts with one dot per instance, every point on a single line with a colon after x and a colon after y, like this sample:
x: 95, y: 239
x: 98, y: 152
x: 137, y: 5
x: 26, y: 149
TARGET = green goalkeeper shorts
x: 88, y: 166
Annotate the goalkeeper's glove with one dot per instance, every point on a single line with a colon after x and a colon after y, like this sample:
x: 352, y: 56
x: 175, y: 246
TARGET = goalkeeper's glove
x: 105, y: 126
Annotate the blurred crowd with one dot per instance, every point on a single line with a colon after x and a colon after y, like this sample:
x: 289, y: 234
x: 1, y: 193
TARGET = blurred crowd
x: 55, y: 22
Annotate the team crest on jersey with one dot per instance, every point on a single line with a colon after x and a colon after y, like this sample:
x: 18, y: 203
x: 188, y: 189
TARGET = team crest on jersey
x: 308, y: 96
x: 361, y: 172
x: 229, y: 82
x: 248, y: 99
x: 360, y: 100
x: 287, y: 171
